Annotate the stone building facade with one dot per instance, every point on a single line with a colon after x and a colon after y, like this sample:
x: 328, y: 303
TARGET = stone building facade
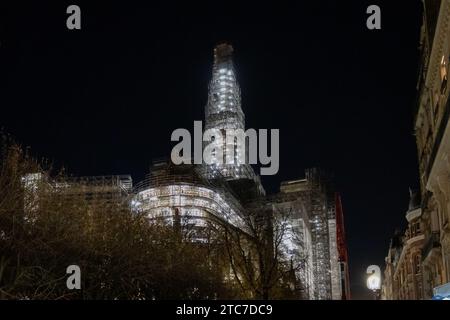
x: 403, y: 277
x: 424, y: 262
x: 432, y: 130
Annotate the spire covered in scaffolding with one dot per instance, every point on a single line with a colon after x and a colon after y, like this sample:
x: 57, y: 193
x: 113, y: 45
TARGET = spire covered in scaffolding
x: 223, y: 112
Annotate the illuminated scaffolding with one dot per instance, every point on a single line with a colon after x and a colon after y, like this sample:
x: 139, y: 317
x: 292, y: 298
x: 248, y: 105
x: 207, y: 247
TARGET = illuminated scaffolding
x: 320, y: 235
x: 91, y: 191
x: 315, y: 195
x: 95, y: 188
x: 297, y: 242
x: 226, y: 194
x: 180, y: 191
x: 223, y: 111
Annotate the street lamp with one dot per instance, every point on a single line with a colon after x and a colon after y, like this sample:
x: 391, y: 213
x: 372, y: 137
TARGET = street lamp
x: 374, y: 280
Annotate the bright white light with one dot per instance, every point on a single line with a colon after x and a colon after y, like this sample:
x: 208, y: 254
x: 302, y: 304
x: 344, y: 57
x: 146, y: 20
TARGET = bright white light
x: 223, y: 71
x: 374, y: 278
x: 373, y: 282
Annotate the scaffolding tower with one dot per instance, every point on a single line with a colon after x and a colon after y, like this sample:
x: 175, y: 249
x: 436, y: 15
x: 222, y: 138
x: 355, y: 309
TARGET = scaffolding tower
x: 223, y: 112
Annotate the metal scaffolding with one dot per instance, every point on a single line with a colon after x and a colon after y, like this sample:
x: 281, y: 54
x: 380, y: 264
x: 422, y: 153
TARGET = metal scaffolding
x: 316, y: 196
x: 226, y: 193
x: 223, y: 112
x: 297, y: 240
x: 94, y: 188
x: 181, y: 190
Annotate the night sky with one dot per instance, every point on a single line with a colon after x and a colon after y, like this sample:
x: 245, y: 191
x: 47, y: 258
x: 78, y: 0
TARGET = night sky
x: 105, y: 99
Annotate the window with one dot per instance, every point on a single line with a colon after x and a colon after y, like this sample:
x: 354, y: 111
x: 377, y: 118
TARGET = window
x: 417, y: 263
x: 415, y: 229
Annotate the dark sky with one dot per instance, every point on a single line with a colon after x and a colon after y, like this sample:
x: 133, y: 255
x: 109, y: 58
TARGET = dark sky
x: 104, y: 100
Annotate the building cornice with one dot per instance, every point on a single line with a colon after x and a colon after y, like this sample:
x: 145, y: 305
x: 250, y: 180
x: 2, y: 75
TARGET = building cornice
x: 413, y: 214
x: 412, y: 241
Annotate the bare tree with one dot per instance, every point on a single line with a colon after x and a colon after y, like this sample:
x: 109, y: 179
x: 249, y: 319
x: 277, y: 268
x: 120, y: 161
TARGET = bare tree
x: 257, y: 259
x: 121, y: 254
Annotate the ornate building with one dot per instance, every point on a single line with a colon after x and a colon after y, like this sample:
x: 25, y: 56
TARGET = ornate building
x: 423, y: 267
x: 403, y: 276
x: 432, y: 128
x: 389, y: 290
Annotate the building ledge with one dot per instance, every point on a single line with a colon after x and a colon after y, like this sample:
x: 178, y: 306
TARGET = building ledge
x: 415, y: 239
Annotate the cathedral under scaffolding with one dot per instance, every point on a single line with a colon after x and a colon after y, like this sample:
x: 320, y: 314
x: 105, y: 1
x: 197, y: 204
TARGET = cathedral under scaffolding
x: 227, y: 192
x: 308, y: 209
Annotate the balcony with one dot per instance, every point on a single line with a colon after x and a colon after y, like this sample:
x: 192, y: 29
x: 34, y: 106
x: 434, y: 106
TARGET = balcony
x: 432, y: 243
